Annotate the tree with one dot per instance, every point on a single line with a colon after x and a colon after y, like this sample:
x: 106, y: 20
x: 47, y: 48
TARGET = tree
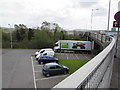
x: 30, y: 34
x: 5, y: 37
x: 21, y: 31
x: 5, y: 40
x: 18, y: 35
x: 63, y: 34
x: 45, y: 25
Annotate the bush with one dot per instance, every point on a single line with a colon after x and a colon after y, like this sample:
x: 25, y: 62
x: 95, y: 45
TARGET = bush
x: 6, y: 44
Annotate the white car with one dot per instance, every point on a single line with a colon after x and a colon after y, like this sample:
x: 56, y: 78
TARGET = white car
x: 45, y: 52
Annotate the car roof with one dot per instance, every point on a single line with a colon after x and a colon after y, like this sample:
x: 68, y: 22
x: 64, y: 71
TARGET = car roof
x: 51, y: 64
x: 47, y: 49
x: 47, y: 56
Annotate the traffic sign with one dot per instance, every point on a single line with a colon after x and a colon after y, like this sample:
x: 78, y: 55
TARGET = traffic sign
x: 116, y: 24
x: 117, y: 16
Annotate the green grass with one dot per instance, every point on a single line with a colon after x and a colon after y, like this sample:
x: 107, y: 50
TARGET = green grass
x: 56, y: 55
x: 72, y: 64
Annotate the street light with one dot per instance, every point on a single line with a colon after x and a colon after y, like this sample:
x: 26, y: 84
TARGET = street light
x: 119, y: 6
x: 109, y: 15
x: 10, y: 37
x: 92, y: 16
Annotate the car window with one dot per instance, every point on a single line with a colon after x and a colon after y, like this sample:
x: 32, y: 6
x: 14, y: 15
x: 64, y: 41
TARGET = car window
x: 45, y: 67
x: 58, y: 67
x: 56, y: 44
x: 45, y: 54
x: 52, y: 67
x: 42, y: 51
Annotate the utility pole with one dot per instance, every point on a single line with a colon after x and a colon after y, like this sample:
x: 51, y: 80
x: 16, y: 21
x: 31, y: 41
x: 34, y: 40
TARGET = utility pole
x: 11, y: 45
x: 109, y: 15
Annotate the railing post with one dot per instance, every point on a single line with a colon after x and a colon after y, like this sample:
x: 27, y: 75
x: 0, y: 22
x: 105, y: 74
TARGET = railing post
x: 101, y: 38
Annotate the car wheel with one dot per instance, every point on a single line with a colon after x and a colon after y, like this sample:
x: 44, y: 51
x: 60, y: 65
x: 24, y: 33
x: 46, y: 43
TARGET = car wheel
x: 39, y: 62
x: 65, y: 72
x: 47, y: 75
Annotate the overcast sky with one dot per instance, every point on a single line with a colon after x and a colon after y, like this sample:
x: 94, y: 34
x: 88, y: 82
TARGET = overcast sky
x: 69, y: 14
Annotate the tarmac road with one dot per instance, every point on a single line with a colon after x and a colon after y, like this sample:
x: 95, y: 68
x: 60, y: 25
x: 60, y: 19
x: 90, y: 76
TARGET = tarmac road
x: 17, y: 68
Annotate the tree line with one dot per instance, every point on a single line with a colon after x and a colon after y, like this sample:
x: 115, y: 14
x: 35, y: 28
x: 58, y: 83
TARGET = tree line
x: 43, y: 37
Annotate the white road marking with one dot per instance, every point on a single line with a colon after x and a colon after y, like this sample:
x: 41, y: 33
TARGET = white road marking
x: 80, y: 56
x: 86, y: 57
x: 51, y: 77
x: 35, y: 61
x: 67, y: 56
x: 35, y: 85
x: 38, y: 71
x: 76, y: 56
x: 38, y: 66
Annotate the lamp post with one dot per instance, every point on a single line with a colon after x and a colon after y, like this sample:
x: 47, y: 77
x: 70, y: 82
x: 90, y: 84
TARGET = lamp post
x: 11, y: 45
x: 92, y: 16
x: 109, y: 15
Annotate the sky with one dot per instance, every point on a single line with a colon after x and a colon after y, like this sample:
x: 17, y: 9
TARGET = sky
x: 68, y: 14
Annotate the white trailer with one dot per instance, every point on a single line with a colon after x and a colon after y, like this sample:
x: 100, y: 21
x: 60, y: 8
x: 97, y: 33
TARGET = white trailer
x: 73, y: 45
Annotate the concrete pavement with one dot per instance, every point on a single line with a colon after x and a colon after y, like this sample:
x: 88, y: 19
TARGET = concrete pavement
x: 115, y: 82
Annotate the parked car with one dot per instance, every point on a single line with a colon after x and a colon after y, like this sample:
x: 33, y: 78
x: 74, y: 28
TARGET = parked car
x: 47, y: 59
x: 41, y: 50
x: 54, y: 69
x: 110, y: 34
x: 45, y: 52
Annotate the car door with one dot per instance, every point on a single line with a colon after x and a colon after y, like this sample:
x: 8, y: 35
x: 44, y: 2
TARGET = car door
x: 52, y: 70
x: 59, y: 69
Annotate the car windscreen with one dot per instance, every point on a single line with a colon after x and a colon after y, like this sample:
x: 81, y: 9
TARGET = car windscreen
x: 42, y: 51
x: 56, y: 44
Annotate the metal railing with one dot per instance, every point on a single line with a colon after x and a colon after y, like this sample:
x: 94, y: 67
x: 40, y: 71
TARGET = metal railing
x: 96, y: 73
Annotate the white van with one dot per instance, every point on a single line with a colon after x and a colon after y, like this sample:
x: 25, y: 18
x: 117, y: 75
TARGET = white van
x: 45, y: 52
x: 41, y: 50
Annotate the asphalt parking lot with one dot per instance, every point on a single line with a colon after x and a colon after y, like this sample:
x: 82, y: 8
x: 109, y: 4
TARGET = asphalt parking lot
x: 40, y: 81
x: 21, y: 70
x: 17, y: 68
x: 72, y: 55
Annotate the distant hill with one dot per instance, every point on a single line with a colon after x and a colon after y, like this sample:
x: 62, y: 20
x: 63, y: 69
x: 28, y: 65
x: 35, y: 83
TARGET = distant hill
x: 80, y: 30
x: 7, y: 30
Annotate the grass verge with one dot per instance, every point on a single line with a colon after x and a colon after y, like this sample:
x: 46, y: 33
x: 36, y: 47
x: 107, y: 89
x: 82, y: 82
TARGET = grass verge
x: 72, y: 64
